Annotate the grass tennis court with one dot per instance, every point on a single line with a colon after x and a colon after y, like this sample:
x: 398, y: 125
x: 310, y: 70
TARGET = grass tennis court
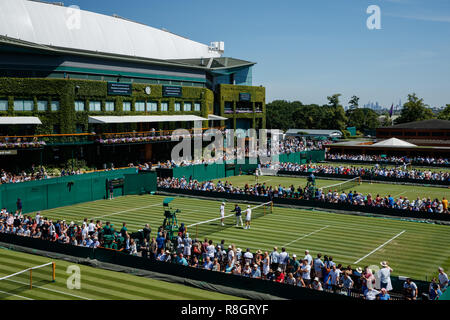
x: 96, y: 284
x: 413, y: 249
x: 384, y: 189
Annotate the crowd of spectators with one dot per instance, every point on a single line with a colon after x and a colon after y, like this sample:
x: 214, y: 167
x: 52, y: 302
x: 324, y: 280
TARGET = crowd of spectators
x: 35, y: 173
x: 91, y: 234
x: 320, y: 273
x: 401, y: 172
x: 286, y: 146
x: 331, y: 196
x: 20, y: 142
x: 419, y: 160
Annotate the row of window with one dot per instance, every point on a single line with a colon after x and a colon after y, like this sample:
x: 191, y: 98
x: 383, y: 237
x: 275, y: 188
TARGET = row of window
x: 43, y: 105
x: 150, y: 106
x: 28, y: 105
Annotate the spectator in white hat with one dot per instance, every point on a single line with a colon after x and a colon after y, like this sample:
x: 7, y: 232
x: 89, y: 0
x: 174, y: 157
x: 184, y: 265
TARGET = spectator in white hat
x: 385, y: 276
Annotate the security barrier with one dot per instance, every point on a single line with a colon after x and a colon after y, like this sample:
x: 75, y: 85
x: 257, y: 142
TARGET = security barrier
x: 69, y: 190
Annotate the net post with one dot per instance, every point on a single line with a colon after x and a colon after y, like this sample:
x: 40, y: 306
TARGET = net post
x: 31, y: 278
x: 53, y: 272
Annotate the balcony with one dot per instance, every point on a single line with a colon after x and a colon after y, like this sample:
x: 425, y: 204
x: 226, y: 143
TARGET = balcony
x: 40, y: 141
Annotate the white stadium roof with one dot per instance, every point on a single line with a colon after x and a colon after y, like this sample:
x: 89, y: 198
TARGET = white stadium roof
x: 57, y: 26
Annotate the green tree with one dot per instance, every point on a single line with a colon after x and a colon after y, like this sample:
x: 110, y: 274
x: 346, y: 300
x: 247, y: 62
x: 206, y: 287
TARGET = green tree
x: 334, y: 114
x: 280, y: 114
x: 445, y: 113
x: 354, y: 102
x: 414, y: 110
x: 362, y: 119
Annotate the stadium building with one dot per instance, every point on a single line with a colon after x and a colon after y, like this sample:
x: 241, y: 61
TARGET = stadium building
x: 78, y: 84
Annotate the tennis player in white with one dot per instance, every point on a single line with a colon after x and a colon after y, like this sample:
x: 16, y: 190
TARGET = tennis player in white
x: 222, y: 212
x: 248, y: 217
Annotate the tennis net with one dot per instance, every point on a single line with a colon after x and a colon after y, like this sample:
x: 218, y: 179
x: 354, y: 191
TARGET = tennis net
x: 26, y: 279
x: 343, y: 185
x: 203, y: 228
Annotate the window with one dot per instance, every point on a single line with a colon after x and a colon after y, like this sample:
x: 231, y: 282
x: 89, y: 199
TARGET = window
x: 95, y: 106
x: 197, y: 106
x: 3, y: 105
x: 177, y: 106
x: 152, y: 106
x: 109, y: 106
x: 139, y: 106
x: 55, y: 106
x: 42, y: 105
x: 164, y: 106
x: 126, y: 106
x: 187, y: 106
x: 23, y: 105
x: 79, y: 105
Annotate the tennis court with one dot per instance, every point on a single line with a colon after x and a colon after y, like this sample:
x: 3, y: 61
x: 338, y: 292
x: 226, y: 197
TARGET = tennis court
x: 95, y: 284
x: 413, y: 249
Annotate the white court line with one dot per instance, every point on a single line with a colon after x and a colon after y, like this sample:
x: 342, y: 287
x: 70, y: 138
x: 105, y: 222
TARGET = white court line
x: 133, y: 209
x: 306, y: 235
x: 48, y: 289
x: 15, y: 295
x: 379, y: 247
x: 395, y: 196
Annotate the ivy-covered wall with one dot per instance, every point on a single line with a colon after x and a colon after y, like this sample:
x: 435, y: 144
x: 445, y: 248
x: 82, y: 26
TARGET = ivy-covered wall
x: 230, y: 93
x: 68, y: 91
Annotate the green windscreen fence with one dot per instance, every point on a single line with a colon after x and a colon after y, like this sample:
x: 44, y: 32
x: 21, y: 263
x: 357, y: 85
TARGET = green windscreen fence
x: 143, y: 182
x: 69, y: 190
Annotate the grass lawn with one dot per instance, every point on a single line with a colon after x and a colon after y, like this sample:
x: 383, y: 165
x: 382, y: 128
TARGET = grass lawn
x: 412, y: 248
x: 96, y: 284
x: 384, y: 189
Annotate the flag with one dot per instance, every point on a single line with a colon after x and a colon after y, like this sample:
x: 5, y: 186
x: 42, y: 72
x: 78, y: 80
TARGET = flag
x: 391, y: 111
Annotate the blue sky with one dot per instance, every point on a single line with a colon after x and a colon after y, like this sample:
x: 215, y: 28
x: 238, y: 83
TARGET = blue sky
x: 307, y: 50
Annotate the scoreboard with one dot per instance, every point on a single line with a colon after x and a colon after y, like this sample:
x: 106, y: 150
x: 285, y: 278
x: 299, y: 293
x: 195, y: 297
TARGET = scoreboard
x: 116, y: 183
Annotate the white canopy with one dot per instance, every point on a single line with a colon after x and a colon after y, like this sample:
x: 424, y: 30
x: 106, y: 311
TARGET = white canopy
x: 214, y: 117
x: 20, y: 120
x: 134, y: 119
x: 393, y: 142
